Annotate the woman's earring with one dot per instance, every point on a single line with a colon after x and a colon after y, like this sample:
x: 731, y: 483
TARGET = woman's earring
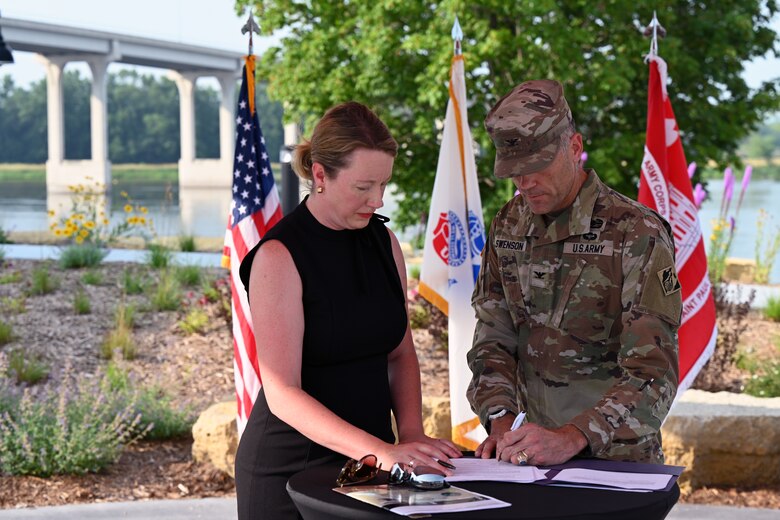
x: 319, y: 189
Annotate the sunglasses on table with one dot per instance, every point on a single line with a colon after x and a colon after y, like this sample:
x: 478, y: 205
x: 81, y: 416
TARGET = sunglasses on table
x: 358, y: 471
x: 420, y: 477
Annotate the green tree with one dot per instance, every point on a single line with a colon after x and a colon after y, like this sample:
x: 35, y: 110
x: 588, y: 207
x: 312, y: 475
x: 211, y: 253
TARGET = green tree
x: 764, y: 143
x: 394, y: 56
x: 22, y: 122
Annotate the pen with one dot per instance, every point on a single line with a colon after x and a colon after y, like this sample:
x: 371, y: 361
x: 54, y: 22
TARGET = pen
x: 515, y: 425
x: 518, y: 421
x: 445, y: 464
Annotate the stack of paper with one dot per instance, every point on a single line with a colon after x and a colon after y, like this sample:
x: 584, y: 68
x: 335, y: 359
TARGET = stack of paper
x: 470, y: 469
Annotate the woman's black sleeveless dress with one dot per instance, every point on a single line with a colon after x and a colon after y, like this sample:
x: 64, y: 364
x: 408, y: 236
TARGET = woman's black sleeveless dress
x: 355, y: 315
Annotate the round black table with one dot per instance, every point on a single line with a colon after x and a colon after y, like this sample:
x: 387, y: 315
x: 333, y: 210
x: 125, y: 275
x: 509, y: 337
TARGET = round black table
x: 312, y: 492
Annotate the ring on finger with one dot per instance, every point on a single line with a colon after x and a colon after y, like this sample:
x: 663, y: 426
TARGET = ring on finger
x: 411, y: 463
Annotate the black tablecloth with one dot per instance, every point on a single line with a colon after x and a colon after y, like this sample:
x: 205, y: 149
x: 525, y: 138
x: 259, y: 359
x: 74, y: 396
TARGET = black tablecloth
x: 312, y: 492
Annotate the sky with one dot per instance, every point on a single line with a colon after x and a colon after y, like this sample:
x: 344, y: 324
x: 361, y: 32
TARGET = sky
x: 209, y: 23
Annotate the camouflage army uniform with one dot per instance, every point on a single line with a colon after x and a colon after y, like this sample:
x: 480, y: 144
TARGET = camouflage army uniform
x: 577, y: 322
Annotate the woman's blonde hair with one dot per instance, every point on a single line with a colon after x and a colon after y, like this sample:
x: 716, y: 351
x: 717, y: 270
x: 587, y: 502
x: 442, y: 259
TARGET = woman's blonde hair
x: 343, y: 129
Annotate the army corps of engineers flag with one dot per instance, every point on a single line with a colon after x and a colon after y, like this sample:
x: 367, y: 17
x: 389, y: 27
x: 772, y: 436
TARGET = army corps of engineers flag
x: 665, y: 187
x: 454, y: 239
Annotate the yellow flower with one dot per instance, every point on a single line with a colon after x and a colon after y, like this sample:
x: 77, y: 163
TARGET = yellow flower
x: 105, y: 221
x: 79, y: 240
x: 78, y: 216
x: 144, y: 210
x: 89, y: 224
x: 84, y: 233
x: 51, y: 212
x: 123, y: 194
x: 131, y: 220
x: 712, y: 237
x: 142, y: 220
x: 128, y: 208
x: 58, y: 232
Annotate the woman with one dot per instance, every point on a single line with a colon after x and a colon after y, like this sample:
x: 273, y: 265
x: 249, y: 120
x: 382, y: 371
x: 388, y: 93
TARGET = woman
x: 327, y: 290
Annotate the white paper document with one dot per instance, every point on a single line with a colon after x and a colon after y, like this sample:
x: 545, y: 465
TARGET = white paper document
x: 470, y: 469
x: 623, y: 480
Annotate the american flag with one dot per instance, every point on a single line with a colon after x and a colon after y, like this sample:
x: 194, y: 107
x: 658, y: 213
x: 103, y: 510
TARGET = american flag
x: 255, y: 208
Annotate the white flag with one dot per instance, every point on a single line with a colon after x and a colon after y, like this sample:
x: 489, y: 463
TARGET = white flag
x: 453, y: 244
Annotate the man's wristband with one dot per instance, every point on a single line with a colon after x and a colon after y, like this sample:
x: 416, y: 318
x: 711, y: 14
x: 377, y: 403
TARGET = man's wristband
x: 497, y: 415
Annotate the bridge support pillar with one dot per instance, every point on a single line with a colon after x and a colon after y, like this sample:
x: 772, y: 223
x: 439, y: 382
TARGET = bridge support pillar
x: 61, y: 173
x: 193, y: 172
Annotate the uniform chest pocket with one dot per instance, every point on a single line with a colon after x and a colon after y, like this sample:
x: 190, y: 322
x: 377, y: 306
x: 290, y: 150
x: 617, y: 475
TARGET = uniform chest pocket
x: 583, y: 308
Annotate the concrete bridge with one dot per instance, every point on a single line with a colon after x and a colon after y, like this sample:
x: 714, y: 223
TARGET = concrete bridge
x: 57, y: 45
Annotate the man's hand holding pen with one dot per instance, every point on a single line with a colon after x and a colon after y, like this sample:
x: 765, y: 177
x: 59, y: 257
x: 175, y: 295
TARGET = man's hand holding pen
x: 519, y: 442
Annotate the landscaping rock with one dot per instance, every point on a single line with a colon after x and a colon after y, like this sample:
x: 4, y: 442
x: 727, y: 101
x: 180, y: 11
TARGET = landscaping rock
x: 724, y: 439
x: 215, y: 437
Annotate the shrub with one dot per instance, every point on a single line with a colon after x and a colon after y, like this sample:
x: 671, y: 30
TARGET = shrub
x: 6, y: 333
x: 158, y: 416
x: 159, y: 256
x: 12, y: 277
x: 772, y: 310
x: 195, y: 321
x: 16, y: 305
x: 766, y: 382
x: 42, y: 281
x: 92, y: 277
x: 2, y: 256
x: 75, y: 429
x: 120, y: 338
x: 189, y: 275
x: 167, y: 293
x: 132, y: 283
x: 719, y: 373
x: 81, y: 303
x: 187, y: 243
x: 419, y: 317
x: 26, y: 369
x: 84, y: 255
x: 4, y: 236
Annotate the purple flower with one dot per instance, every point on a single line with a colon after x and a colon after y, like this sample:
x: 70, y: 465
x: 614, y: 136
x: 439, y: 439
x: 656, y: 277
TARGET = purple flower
x: 699, y: 194
x: 728, y: 184
x: 746, y: 178
x: 584, y: 158
x: 732, y: 223
x: 691, y: 170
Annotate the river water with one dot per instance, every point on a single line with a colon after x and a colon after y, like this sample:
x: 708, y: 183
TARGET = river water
x: 203, y: 212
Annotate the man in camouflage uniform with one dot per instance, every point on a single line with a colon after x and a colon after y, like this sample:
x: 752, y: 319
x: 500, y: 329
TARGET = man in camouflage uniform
x: 577, y: 301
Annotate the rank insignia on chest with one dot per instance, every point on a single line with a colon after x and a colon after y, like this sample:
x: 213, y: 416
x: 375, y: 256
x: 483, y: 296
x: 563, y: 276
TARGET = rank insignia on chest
x: 669, y: 281
x: 514, y: 245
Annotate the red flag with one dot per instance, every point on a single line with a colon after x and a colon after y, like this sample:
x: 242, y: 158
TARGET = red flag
x: 665, y: 187
x: 255, y: 209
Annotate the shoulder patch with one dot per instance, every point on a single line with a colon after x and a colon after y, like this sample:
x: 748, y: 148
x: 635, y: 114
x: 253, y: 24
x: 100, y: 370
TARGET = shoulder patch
x: 669, y: 282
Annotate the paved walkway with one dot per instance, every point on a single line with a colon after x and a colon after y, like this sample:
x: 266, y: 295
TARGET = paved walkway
x: 225, y: 509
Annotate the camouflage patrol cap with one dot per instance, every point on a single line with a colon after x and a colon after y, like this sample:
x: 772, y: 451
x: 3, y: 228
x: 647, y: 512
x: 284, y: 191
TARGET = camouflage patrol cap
x: 525, y: 126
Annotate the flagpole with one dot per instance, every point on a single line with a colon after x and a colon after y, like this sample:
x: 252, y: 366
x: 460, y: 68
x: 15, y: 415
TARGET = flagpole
x: 457, y: 37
